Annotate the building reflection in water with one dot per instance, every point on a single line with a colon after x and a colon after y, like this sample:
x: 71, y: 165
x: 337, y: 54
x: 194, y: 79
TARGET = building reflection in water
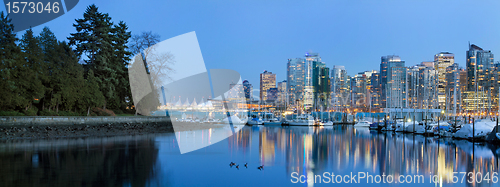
x: 129, y: 162
x: 343, y: 149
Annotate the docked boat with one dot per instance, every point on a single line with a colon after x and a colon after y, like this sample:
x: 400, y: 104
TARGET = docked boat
x: 255, y: 121
x: 234, y: 120
x: 388, y: 126
x: 375, y: 126
x: 412, y: 128
x: 302, y: 121
x: 328, y: 123
x: 363, y: 123
x: 444, y: 131
x: 479, y: 130
x: 272, y: 122
x: 400, y: 126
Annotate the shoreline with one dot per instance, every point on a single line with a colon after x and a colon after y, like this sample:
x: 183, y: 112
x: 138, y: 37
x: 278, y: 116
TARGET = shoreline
x: 88, y: 120
x: 36, y: 127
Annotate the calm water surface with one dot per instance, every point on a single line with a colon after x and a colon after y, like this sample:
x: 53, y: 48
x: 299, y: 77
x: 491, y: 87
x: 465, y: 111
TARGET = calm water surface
x: 154, y: 160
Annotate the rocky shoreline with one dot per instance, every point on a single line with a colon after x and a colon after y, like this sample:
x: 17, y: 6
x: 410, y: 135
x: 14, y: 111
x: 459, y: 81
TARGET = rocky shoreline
x: 87, y: 130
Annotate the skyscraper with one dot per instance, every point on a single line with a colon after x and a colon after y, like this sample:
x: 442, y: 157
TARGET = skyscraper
x: 295, y: 80
x: 248, y: 89
x: 321, y: 83
x: 479, y: 68
x: 311, y: 60
x: 282, y: 92
x: 272, y: 95
x: 427, y: 92
x: 452, y: 90
x: 385, y: 66
x: 442, y: 61
x: 339, y: 87
x: 480, y: 75
x: 375, y: 90
x: 393, y: 82
x: 267, y: 80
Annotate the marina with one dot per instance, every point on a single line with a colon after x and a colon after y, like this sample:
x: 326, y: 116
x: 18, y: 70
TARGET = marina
x: 285, y: 152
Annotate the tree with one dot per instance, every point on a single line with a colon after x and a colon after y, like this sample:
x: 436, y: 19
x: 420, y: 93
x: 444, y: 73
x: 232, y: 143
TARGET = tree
x: 92, y: 96
x: 9, y: 52
x: 30, y: 69
x: 49, y: 44
x: 158, y: 63
x: 96, y: 39
x: 121, y: 60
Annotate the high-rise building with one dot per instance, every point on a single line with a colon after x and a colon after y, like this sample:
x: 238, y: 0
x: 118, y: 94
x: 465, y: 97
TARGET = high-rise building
x: 311, y: 59
x: 413, y: 83
x: 427, y: 91
x: 479, y: 68
x: 387, y: 62
x: 295, y: 80
x: 463, y: 80
x: 248, y: 89
x: 321, y: 84
x: 272, y: 95
x: 339, y: 87
x: 480, y: 75
x: 360, y: 87
x: 282, y: 92
x: 375, y: 90
x: 452, y: 89
x: 267, y: 81
x: 442, y: 61
x: 393, y: 82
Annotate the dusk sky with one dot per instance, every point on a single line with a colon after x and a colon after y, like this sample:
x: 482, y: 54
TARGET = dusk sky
x: 253, y: 36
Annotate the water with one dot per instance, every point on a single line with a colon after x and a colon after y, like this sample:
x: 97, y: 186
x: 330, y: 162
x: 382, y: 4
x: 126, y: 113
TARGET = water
x: 285, y: 152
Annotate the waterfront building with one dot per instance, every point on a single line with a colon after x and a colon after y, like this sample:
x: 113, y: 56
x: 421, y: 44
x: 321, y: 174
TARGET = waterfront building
x: 427, y: 91
x: 236, y: 91
x: 387, y: 62
x: 248, y: 89
x: 480, y: 73
x: 282, y: 92
x: 339, y: 87
x: 360, y: 87
x: 295, y: 80
x: 375, y: 90
x: 394, y: 87
x: 452, y: 89
x: 413, y: 82
x: 267, y: 81
x: 442, y: 61
x: 463, y: 80
x: 311, y: 60
x: 321, y: 84
x: 272, y: 95
x: 475, y: 102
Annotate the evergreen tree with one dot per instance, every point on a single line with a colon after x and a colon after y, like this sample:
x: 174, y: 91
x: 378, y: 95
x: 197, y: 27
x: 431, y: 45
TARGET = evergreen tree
x: 48, y: 43
x: 9, y: 52
x: 99, y: 41
x: 122, y: 59
x: 30, y: 70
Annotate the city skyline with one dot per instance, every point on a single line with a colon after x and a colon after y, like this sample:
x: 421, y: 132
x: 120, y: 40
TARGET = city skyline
x: 234, y: 35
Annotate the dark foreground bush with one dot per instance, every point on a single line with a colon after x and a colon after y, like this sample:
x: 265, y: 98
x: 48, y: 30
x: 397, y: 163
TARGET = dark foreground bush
x: 11, y: 113
x: 101, y: 112
x: 31, y: 112
x: 48, y: 113
x: 68, y: 113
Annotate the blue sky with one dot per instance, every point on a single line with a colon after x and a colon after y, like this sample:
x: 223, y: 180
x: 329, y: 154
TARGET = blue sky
x: 252, y: 36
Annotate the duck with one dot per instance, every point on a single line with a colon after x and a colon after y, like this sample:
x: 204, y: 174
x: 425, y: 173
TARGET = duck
x: 246, y: 165
x: 232, y: 164
x: 260, y: 167
x: 238, y: 167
